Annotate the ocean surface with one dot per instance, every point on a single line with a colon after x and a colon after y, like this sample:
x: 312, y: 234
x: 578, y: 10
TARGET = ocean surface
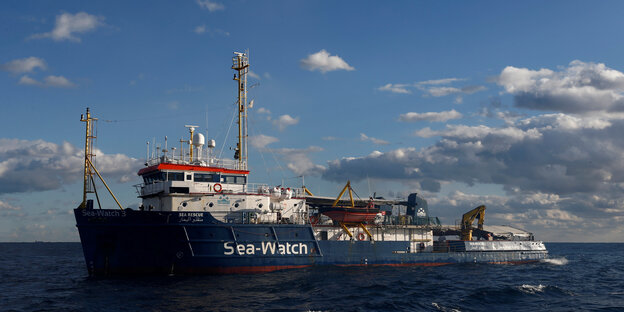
x: 578, y: 277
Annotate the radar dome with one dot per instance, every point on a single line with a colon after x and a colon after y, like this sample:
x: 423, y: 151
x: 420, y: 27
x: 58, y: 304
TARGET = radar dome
x: 198, y: 139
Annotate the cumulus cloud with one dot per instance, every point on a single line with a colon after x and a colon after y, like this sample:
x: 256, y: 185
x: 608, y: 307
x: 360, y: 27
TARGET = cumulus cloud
x: 210, y: 5
x: 4, y: 206
x: 25, y: 65
x: 68, y: 26
x: 261, y: 140
x: 324, y: 62
x: 551, y: 216
x: 58, y: 82
x: 581, y: 88
x: 49, y: 81
x: 38, y: 165
x: 395, y: 88
x: 431, y: 116
x: 556, y: 154
x: 298, y: 160
x: 364, y: 137
x: 284, y: 121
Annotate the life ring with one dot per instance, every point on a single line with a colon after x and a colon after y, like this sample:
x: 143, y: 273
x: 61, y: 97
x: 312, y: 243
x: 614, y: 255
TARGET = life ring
x: 217, y: 187
x: 361, y: 236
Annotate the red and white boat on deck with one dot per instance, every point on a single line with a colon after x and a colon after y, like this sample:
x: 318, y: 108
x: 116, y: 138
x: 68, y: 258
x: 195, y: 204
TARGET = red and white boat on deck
x: 350, y: 214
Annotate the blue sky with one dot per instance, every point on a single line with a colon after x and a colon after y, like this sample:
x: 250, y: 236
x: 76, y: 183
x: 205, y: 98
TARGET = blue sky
x: 515, y: 105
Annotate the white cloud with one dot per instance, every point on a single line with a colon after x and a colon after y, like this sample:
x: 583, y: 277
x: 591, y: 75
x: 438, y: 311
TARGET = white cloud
x: 262, y: 110
x: 436, y: 88
x: 324, y: 62
x: 284, y: 121
x: 68, y: 25
x: 438, y: 81
x: 298, y: 160
x: 25, y: 80
x: 49, y: 81
x: 4, y: 206
x: 395, y: 88
x: 261, y: 141
x: 253, y: 75
x: 58, y: 82
x: 552, y: 154
x: 210, y: 5
x: 25, y: 65
x: 581, y: 88
x: 212, y: 32
x: 462, y: 132
x: 39, y: 165
x: 444, y: 91
x: 200, y: 29
x: 431, y: 116
x: 364, y: 137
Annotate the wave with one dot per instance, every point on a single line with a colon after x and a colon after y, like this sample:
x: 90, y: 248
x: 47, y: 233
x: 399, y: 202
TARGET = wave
x: 441, y: 308
x: 531, y: 289
x: 556, y: 261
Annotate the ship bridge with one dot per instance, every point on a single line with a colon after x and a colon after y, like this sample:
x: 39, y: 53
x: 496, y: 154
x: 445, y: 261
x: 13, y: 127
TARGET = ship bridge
x: 194, y: 172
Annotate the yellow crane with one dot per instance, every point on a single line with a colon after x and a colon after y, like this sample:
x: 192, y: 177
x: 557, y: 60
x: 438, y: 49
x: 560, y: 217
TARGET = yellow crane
x: 467, y: 220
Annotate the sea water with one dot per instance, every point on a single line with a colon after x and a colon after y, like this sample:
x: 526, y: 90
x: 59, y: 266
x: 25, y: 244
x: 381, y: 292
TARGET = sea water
x: 577, y: 277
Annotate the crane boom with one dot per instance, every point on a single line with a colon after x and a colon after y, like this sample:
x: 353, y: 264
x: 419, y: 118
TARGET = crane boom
x: 467, y: 220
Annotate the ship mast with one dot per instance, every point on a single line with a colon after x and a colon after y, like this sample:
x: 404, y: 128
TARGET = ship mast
x: 240, y: 63
x: 89, y: 156
x: 89, y: 167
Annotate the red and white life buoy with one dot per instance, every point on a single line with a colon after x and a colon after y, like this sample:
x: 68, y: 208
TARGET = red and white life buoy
x: 361, y: 236
x: 217, y: 187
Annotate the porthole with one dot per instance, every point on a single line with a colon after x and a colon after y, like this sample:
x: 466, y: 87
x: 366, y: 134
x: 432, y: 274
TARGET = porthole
x: 260, y: 205
x: 183, y: 204
x: 210, y: 205
x: 236, y: 205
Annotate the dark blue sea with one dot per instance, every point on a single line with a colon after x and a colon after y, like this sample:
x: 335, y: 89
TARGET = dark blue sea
x: 578, y: 277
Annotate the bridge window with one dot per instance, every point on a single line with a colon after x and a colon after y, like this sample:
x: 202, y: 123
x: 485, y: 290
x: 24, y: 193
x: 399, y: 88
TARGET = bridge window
x: 234, y: 179
x: 229, y: 179
x: 205, y: 177
x: 154, y: 177
x: 176, y: 176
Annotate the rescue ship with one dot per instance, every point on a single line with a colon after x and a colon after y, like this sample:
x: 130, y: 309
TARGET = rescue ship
x: 199, y: 214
